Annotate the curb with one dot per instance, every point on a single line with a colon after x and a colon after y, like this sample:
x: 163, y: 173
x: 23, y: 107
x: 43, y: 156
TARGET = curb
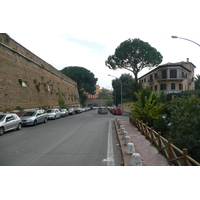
x: 126, y: 157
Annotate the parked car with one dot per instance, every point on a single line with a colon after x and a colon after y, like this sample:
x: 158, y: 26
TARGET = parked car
x: 102, y: 110
x: 116, y: 111
x: 53, y: 113
x: 9, y: 121
x: 64, y: 112
x: 34, y: 117
x: 71, y: 111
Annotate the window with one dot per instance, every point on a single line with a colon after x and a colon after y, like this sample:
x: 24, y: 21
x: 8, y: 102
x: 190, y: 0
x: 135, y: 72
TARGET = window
x: 151, y: 77
x: 180, y: 86
x: 183, y: 75
x: 173, y: 86
x: 173, y: 73
x: 155, y: 87
x: 156, y: 75
x: 164, y: 73
x: 163, y: 86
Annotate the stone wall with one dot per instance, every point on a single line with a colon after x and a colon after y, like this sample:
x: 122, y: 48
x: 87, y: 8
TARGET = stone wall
x: 98, y: 102
x: 27, y: 81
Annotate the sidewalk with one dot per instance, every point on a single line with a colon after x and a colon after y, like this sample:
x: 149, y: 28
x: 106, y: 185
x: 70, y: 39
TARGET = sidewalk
x: 149, y: 154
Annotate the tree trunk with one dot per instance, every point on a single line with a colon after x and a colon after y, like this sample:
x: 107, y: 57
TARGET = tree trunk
x: 136, y: 81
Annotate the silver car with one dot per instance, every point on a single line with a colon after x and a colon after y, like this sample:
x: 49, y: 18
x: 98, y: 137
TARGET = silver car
x: 64, y: 112
x: 9, y: 121
x: 34, y: 117
x: 53, y: 113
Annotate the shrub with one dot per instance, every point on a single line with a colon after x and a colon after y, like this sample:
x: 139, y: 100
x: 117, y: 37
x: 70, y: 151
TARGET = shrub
x: 185, y: 124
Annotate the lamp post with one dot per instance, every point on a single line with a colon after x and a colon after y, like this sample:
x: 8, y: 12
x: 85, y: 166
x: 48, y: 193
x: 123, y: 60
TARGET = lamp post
x: 121, y: 89
x: 175, y: 37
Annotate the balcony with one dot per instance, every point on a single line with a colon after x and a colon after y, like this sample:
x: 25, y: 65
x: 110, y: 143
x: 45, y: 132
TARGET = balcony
x: 178, y: 78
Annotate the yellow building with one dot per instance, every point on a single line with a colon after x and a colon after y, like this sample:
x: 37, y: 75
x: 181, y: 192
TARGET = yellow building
x: 170, y: 77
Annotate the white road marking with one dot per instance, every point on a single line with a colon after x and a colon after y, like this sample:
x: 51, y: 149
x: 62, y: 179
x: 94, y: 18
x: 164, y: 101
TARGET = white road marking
x: 110, y: 154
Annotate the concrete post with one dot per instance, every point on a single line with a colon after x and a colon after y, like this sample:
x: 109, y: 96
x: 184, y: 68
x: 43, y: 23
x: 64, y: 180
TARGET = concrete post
x: 130, y: 149
x: 125, y: 134
x: 136, y: 160
x: 122, y: 131
x: 127, y: 140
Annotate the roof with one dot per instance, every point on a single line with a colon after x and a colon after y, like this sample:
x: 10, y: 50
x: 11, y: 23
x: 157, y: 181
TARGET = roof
x: 179, y: 64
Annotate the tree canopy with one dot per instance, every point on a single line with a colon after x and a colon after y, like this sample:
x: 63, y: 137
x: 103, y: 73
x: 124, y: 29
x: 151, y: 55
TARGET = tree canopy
x: 84, y: 78
x: 127, y: 82
x: 134, y: 55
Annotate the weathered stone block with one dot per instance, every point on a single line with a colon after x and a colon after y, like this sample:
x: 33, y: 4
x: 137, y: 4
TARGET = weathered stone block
x: 130, y: 149
x: 127, y: 140
x: 136, y: 160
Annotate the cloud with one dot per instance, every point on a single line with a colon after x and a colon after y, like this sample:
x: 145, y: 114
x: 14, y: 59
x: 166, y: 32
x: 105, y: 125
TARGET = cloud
x: 85, y: 33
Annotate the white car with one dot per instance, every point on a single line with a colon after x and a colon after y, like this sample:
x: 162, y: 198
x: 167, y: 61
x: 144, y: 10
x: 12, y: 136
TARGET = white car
x: 53, y: 113
x: 9, y: 121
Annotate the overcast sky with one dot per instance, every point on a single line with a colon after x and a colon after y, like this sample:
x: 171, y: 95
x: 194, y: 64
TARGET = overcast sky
x: 85, y: 32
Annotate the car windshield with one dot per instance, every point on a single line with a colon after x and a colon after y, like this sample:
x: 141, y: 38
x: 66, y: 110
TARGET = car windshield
x: 62, y: 110
x: 76, y: 106
x: 29, y: 113
x: 2, y: 117
x: 50, y: 111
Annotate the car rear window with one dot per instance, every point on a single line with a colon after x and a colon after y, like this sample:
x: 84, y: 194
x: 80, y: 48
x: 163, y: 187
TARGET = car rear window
x: 2, y: 117
x: 50, y: 111
x: 29, y: 113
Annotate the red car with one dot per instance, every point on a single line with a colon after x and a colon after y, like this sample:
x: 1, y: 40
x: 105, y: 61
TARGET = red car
x: 116, y: 111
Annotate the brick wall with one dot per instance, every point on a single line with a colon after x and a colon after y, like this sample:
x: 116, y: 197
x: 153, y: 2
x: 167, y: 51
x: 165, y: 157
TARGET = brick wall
x: 27, y: 81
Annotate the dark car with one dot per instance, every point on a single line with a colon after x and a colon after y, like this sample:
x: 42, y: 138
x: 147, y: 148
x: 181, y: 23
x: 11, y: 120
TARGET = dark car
x: 34, y: 117
x: 102, y: 110
x: 71, y: 111
x: 9, y: 121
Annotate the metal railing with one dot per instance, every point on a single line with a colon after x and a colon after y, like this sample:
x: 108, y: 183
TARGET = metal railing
x: 174, y: 155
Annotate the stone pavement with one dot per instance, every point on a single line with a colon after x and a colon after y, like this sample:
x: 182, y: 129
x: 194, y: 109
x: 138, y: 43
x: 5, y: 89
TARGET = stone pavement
x: 149, y: 154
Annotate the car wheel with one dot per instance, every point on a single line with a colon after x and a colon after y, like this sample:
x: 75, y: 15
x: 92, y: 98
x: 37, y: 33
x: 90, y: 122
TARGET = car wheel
x: 19, y: 127
x: 1, y: 131
x: 45, y: 120
x: 35, y: 123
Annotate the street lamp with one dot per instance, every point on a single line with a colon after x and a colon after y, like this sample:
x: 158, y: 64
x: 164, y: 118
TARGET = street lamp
x: 175, y: 37
x: 121, y: 88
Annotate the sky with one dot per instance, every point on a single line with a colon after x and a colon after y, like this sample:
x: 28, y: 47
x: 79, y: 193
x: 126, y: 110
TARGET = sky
x: 84, y: 33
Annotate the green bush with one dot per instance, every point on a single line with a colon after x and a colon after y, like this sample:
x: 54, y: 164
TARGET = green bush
x: 148, y: 108
x: 185, y: 124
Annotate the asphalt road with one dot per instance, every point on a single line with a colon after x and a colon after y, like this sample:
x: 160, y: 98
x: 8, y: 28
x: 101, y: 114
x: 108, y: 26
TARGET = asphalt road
x: 86, y: 139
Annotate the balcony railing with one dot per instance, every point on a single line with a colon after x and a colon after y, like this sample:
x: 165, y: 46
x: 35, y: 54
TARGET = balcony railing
x: 178, y: 78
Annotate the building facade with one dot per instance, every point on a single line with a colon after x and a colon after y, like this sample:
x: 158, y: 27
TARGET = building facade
x: 170, y: 77
x: 94, y: 96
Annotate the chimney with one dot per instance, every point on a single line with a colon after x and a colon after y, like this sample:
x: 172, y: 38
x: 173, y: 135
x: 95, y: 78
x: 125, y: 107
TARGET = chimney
x: 187, y: 59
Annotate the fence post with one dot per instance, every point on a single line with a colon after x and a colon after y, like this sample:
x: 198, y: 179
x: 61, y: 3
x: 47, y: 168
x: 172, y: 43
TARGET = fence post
x: 169, y: 151
x: 151, y: 135
x: 185, y: 153
x: 159, y: 142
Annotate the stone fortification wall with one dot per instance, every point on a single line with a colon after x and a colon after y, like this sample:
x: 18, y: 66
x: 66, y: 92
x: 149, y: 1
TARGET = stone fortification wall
x: 27, y: 81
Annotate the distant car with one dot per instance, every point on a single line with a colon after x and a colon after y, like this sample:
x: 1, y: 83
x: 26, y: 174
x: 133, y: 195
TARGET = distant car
x: 102, y: 110
x: 116, y: 111
x: 53, y: 113
x: 9, y: 121
x: 64, y: 112
x: 34, y: 117
x: 71, y: 111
